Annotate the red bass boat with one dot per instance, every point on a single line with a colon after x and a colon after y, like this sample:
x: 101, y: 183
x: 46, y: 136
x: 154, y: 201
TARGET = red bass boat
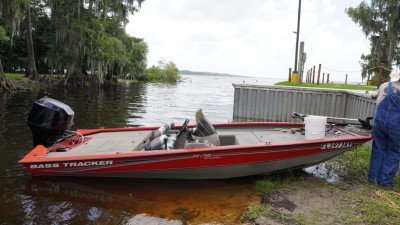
x: 200, y: 151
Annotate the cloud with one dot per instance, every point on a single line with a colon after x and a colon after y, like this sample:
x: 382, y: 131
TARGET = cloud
x: 252, y: 38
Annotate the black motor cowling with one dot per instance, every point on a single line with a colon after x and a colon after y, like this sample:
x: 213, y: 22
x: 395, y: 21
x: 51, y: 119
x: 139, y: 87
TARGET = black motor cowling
x: 48, y: 120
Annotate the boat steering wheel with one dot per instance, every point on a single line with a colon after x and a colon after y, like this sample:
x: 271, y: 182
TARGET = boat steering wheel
x: 183, y: 128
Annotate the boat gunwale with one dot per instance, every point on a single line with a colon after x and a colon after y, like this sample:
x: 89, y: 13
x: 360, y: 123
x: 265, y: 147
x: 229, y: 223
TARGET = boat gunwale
x: 201, y: 150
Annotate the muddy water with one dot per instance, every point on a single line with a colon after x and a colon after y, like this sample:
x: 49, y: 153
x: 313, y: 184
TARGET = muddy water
x: 114, y: 201
x: 25, y: 200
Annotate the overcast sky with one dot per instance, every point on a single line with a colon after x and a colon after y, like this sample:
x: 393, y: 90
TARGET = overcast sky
x: 251, y: 38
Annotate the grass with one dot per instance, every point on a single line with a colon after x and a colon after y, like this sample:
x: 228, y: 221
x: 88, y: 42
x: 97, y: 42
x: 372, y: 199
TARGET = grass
x: 14, y: 76
x: 17, y: 76
x: 255, y: 211
x: 351, y: 201
x: 267, y: 186
x: 330, y: 85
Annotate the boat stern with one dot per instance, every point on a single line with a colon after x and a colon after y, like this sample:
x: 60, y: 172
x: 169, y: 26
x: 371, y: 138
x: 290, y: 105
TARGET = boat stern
x: 34, y: 159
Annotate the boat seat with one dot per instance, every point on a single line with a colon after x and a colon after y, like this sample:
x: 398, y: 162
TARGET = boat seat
x: 180, y: 141
x: 228, y: 140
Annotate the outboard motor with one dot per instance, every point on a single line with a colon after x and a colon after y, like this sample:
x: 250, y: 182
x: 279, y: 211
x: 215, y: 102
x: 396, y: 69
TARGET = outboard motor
x: 48, y: 120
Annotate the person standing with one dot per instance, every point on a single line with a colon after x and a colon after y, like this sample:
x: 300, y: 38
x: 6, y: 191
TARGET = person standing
x: 385, y: 155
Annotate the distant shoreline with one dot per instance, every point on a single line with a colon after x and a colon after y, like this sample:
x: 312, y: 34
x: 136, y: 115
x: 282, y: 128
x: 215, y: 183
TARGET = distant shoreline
x: 188, y: 72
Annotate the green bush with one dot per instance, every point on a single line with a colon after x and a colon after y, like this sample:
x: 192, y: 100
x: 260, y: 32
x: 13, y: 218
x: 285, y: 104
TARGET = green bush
x: 164, y: 72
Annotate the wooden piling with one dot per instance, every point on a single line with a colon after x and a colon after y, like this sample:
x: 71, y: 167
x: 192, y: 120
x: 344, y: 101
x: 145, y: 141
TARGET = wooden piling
x: 313, y: 75
x: 319, y: 73
x: 290, y: 74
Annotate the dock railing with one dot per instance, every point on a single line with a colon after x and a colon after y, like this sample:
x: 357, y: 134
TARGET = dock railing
x: 276, y: 103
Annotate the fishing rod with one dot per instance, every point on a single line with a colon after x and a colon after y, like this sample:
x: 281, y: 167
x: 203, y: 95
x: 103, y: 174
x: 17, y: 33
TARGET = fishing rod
x: 366, y: 123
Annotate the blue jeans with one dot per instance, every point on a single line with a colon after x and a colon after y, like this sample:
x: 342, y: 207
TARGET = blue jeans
x: 385, y: 155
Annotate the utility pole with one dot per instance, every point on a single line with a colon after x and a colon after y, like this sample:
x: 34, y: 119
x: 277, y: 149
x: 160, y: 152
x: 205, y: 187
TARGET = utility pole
x: 295, y: 73
x: 302, y: 60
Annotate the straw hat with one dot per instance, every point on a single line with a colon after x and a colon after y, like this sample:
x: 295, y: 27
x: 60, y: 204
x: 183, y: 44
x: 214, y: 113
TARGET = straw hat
x: 395, y: 74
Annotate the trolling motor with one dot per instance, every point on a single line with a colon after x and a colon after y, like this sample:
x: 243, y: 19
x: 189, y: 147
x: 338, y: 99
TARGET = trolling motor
x: 366, y: 123
x: 296, y: 115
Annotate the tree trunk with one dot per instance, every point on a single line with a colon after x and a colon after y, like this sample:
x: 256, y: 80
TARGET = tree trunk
x: 4, y: 83
x: 31, y: 71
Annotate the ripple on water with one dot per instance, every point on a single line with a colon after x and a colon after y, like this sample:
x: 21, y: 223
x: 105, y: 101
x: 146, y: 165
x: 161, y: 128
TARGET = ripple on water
x: 195, y: 202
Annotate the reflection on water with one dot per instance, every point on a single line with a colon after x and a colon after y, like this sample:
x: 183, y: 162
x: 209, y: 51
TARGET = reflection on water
x: 89, y: 200
x: 69, y: 201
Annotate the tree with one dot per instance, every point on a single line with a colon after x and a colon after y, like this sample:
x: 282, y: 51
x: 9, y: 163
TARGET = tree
x: 137, y: 51
x: 87, y: 41
x: 12, y: 13
x: 85, y: 38
x: 380, y: 23
x: 367, y: 66
x: 30, y: 71
x: 164, y: 72
x: 9, y: 12
x: 4, y: 83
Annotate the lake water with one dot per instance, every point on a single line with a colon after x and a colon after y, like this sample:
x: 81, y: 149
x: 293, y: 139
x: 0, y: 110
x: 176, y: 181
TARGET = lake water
x: 27, y: 200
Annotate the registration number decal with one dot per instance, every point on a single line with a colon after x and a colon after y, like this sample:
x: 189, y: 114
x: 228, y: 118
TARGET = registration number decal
x: 345, y: 144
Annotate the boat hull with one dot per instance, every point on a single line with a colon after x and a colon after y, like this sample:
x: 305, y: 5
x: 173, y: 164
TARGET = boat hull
x: 223, y: 172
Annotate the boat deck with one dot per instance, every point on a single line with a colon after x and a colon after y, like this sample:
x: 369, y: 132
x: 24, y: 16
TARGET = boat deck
x: 253, y: 136
x: 245, y: 136
x: 108, y: 143
x: 131, y: 141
